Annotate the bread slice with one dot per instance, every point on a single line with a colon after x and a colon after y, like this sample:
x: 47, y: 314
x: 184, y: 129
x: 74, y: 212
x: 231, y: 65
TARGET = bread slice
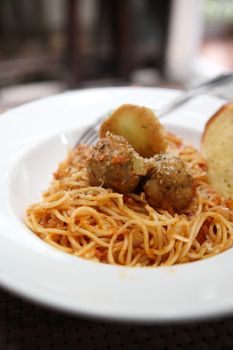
x: 217, y: 148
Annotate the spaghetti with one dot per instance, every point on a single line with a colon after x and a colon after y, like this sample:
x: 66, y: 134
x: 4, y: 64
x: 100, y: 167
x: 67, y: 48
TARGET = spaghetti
x: 99, y: 224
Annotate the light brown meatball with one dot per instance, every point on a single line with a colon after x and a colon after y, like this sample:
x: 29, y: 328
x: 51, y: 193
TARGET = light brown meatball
x: 169, y: 183
x: 114, y: 163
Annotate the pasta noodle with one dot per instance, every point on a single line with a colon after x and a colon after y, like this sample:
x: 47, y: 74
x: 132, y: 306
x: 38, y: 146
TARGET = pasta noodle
x: 98, y: 224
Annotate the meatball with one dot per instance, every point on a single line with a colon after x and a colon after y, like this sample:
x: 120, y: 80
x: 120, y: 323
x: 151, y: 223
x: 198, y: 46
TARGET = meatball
x: 114, y: 163
x: 169, y: 183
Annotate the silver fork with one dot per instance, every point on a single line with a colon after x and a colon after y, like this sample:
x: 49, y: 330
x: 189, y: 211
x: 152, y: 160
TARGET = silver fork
x: 90, y: 134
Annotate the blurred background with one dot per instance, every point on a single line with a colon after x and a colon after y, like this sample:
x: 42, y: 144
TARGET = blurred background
x: 51, y: 46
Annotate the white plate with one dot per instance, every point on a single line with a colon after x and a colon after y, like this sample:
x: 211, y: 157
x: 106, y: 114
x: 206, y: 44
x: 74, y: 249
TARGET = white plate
x: 33, y: 139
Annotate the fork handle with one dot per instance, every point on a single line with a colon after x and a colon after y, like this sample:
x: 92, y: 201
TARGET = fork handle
x: 194, y: 91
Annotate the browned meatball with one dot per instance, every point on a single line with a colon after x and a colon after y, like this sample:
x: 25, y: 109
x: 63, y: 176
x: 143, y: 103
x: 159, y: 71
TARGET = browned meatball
x: 114, y: 163
x: 169, y: 183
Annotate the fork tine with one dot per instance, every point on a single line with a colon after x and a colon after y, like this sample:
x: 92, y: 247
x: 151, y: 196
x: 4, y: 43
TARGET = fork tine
x: 88, y: 137
x: 87, y: 134
x: 93, y: 138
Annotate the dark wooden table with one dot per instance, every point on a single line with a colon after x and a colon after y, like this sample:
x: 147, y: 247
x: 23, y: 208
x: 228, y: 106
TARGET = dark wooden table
x: 25, y: 325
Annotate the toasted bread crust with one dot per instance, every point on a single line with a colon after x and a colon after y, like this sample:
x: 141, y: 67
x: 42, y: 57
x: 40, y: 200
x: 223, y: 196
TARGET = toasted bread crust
x: 225, y: 107
x: 217, y: 148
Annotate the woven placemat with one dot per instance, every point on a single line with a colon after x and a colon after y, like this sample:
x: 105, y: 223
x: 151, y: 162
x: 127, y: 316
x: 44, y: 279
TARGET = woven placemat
x: 24, y: 325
